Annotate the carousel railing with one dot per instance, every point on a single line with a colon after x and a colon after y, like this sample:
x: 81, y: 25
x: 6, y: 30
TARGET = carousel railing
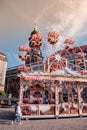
x: 37, y: 110
x: 55, y: 110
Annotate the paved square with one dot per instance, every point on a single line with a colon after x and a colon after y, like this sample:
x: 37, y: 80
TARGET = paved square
x: 6, y: 116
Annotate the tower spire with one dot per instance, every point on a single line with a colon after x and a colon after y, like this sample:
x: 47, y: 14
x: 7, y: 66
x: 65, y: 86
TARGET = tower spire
x: 35, y: 26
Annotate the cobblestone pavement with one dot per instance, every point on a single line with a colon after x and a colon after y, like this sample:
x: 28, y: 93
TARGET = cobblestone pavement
x: 6, y: 116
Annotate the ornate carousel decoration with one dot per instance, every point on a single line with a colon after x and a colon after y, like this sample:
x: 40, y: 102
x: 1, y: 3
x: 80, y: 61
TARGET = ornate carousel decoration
x: 36, y: 40
x: 24, y: 49
x: 53, y: 37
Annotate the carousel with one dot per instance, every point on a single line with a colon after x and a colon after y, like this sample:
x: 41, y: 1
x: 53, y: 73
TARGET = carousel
x: 58, y: 90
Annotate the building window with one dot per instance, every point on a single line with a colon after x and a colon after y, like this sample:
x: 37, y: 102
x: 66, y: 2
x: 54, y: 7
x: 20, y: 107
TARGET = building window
x: 85, y: 50
x: 71, y: 52
x: 63, y: 54
x: 78, y: 50
x: 38, y: 67
x: 74, y: 68
x: 82, y: 67
x: 35, y: 59
x: 72, y: 62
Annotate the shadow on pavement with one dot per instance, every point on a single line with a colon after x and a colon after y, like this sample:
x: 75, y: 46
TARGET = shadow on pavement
x: 3, y: 122
x: 6, y: 115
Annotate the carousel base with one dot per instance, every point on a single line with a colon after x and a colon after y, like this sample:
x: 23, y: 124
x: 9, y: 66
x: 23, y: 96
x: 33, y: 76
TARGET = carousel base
x: 54, y: 116
x: 84, y: 114
x: 38, y: 117
x: 69, y: 115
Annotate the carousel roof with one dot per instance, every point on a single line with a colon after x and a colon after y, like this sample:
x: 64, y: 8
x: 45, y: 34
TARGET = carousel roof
x: 57, y: 75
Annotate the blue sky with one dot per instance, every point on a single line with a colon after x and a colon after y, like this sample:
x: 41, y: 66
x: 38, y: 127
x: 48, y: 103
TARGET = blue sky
x: 17, y: 18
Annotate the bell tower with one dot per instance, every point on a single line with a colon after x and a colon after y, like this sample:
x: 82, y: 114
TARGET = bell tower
x: 35, y: 53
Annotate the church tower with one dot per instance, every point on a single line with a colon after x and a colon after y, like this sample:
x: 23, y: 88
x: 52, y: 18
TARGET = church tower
x: 35, y: 53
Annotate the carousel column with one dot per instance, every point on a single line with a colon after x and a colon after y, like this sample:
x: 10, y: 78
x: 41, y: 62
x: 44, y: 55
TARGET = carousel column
x: 44, y: 67
x: 21, y: 91
x: 69, y: 91
x: 48, y: 65
x: 79, y: 99
x: 56, y: 102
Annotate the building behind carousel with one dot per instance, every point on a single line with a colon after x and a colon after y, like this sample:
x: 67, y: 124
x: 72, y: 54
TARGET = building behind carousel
x: 3, y: 67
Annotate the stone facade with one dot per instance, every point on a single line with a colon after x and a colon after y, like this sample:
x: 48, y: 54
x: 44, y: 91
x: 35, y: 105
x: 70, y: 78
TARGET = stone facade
x: 3, y: 67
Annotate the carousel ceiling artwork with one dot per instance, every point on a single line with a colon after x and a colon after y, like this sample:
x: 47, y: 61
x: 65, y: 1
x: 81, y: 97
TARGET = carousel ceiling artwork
x: 60, y: 63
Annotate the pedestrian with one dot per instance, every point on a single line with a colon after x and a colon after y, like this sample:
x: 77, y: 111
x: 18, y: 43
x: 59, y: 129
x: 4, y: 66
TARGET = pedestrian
x: 18, y: 114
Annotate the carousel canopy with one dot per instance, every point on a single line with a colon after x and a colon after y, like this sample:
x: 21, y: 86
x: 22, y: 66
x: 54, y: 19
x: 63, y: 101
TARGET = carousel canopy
x: 25, y: 76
